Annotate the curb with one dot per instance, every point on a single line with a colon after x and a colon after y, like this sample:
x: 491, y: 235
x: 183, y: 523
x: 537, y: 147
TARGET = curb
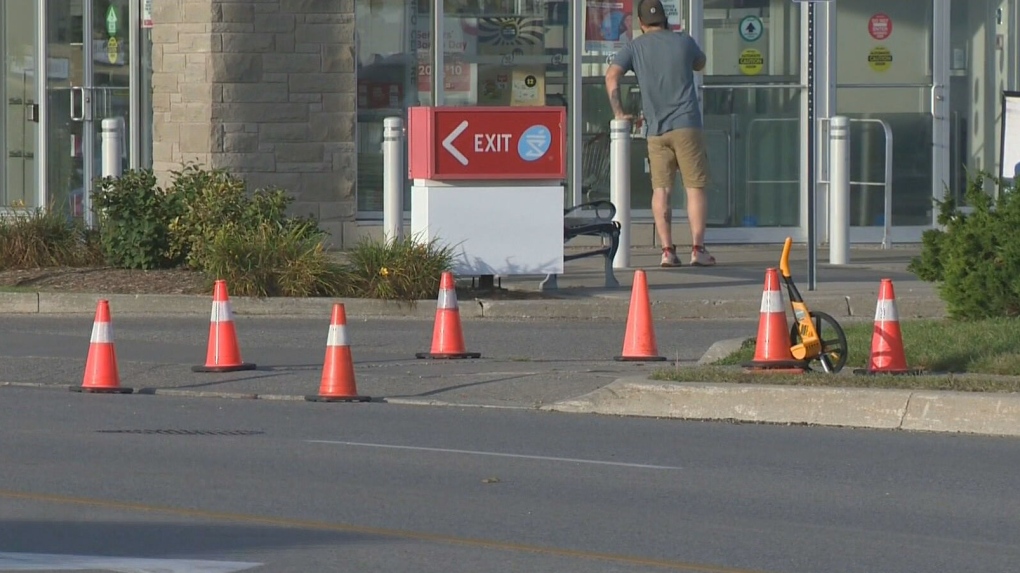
x: 990, y: 414
x: 593, y: 307
x: 950, y: 412
x: 181, y: 393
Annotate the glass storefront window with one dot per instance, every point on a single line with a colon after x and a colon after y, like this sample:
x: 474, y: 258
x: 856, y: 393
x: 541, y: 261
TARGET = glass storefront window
x: 979, y: 67
x: 18, y: 131
x: 752, y: 118
x: 84, y: 87
x: 496, y: 53
x: 389, y: 37
x: 884, y: 71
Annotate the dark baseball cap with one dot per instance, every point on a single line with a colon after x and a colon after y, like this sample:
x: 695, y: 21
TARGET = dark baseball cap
x: 651, y: 13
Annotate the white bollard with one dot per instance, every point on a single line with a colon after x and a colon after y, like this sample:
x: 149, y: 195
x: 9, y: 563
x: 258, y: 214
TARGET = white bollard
x: 393, y: 188
x: 619, y: 186
x: 113, y: 144
x: 839, y: 190
x: 111, y: 137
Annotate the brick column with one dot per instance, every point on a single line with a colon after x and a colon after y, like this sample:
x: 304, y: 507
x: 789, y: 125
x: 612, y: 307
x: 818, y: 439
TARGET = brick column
x: 264, y: 89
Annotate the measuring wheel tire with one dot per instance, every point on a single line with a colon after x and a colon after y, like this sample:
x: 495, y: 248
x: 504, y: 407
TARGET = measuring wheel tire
x: 834, y: 345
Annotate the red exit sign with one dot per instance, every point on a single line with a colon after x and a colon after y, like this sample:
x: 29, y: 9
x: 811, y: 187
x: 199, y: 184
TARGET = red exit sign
x: 484, y: 143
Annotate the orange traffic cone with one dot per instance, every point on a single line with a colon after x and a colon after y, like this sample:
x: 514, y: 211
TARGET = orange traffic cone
x: 447, y: 337
x: 639, y: 339
x: 101, y: 373
x: 224, y: 353
x: 887, y: 356
x: 338, y: 383
x: 772, y: 347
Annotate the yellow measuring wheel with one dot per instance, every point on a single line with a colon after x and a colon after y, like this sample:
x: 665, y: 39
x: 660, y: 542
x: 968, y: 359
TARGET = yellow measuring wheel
x: 815, y: 335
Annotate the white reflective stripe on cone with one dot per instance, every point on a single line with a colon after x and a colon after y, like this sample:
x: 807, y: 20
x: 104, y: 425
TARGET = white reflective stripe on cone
x: 338, y: 336
x: 448, y: 299
x: 885, y: 311
x: 220, y: 312
x: 102, y: 333
x: 771, y: 301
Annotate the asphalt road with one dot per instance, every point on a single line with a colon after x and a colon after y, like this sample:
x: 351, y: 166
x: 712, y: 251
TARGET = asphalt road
x: 382, y: 487
x: 523, y: 363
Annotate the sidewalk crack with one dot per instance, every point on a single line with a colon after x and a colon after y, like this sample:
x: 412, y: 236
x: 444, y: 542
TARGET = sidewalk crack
x: 906, y: 408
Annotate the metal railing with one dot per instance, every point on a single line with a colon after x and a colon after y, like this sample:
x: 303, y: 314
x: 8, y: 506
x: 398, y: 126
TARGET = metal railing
x: 886, y: 181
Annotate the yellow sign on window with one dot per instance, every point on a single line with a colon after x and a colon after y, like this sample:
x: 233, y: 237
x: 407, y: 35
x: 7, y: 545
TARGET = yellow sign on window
x: 111, y: 50
x: 880, y: 58
x: 751, y: 62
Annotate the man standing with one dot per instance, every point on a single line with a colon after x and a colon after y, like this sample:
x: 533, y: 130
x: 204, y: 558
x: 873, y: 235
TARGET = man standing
x: 664, y: 63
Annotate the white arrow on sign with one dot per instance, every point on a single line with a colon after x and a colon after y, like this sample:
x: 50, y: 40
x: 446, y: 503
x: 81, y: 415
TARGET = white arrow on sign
x: 448, y: 142
x: 52, y: 562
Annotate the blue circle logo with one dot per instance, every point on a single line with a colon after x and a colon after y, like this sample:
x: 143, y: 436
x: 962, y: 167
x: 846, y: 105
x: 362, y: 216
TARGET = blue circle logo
x: 534, y: 143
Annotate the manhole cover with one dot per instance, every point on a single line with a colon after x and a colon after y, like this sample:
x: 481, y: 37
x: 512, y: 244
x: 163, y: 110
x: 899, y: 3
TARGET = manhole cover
x: 186, y: 432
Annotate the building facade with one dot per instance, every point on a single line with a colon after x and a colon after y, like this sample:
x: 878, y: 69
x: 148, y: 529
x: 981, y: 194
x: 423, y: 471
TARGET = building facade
x: 293, y: 93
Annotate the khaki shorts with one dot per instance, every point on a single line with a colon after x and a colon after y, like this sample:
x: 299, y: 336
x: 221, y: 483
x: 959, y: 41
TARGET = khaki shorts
x: 680, y: 148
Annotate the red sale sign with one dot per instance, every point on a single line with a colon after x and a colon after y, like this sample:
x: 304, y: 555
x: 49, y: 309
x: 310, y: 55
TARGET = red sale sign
x: 509, y: 143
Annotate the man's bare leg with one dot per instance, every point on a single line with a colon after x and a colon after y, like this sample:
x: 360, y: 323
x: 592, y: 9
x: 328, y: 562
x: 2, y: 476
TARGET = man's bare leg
x: 697, y: 216
x: 663, y: 216
x: 697, y: 212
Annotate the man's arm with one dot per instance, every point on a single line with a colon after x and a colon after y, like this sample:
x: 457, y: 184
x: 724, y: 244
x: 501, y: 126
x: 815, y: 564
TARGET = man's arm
x: 613, y: 75
x: 699, y: 62
x: 699, y: 57
x: 622, y: 63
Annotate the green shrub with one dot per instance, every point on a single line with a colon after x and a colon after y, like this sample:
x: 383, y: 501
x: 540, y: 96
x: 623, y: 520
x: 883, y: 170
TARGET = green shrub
x: 398, y: 270
x: 205, y: 201
x: 134, y: 216
x: 975, y: 257
x: 208, y: 201
x: 270, y: 259
x: 45, y: 238
x: 208, y: 221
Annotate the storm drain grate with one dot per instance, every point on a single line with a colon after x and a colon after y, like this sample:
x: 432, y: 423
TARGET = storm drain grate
x: 186, y: 432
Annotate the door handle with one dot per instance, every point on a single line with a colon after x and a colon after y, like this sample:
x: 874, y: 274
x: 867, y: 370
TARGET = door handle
x: 80, y: 113
x: 936, y: 96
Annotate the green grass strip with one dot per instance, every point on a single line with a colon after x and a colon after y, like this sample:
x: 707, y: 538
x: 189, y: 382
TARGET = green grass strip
x: 981, y: 355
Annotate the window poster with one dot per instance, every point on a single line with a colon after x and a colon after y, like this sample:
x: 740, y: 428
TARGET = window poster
x: 1010, y: 145
x: 518, y: 43
x: 608, y: 25
x: 676, y: 23
x: 461, y: 45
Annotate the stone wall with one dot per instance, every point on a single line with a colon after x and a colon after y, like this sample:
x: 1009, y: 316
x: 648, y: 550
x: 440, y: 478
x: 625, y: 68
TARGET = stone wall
x: 263, y: 88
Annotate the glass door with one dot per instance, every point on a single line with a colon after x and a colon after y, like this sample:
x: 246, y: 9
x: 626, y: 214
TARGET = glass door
x: 752, y: 98
x: 87, y: 49
x: 18, y: 107
x: 979, y: 67
x: 892, y: 68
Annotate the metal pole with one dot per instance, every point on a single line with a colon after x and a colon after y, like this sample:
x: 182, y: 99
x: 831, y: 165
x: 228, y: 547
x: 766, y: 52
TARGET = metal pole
x: 839, y: 190
x: 812, y: 232
x: 113, y: 144
x: 88, y: 126
x: 393, y: 189
x: 133, y: 143
x: 438, y: 54
x: 619, y: 190
x: 577, y: 31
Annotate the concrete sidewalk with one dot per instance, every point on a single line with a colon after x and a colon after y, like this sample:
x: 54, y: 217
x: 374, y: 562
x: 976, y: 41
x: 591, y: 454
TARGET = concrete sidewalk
x: 732, y: 289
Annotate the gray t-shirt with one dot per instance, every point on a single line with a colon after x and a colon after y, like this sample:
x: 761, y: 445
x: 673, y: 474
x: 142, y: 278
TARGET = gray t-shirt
x: 663, y: 62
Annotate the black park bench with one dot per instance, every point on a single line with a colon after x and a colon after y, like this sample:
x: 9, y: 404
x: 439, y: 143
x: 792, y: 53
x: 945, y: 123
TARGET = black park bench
x: 598, y: 222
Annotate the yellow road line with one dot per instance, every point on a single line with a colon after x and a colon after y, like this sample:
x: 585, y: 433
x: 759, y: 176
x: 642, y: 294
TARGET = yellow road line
x: 381, y: 532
